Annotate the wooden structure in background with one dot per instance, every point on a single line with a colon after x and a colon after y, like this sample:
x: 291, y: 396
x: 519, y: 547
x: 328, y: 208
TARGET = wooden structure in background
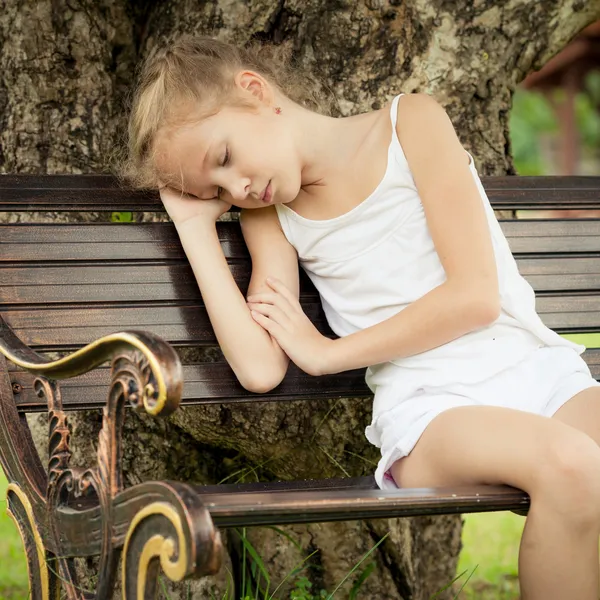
x: 567, y: 71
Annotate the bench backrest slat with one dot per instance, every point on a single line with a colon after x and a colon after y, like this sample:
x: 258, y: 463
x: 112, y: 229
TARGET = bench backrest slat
x: 159, y: 241
x: 132, y: 281
x: 101, y: 192
x: 205, y: 383
x: 72, y: 326
x: 210, y: 383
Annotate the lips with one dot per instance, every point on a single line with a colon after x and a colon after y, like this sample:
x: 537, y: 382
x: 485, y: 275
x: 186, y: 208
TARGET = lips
x: 266, y: 195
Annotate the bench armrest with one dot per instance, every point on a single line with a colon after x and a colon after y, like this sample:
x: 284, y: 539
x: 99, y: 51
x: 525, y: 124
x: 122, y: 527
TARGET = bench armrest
x: 162, y: 392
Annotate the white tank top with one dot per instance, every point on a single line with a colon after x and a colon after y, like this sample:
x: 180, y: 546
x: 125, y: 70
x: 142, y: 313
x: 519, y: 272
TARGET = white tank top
x: 373, y: 261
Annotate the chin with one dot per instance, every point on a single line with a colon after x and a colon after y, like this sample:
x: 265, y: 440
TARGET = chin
x: 290, y: 195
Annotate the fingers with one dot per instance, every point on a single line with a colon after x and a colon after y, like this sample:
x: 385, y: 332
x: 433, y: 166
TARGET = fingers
x: 280, y: 297
x: 271, y: 311
x: 271, y: 326
x: 280, y: 288
x: 275, y: 310
x: 271, y: 299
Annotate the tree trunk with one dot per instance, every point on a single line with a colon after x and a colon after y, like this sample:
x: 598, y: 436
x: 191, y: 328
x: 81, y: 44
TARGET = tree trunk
x: 66, y: 69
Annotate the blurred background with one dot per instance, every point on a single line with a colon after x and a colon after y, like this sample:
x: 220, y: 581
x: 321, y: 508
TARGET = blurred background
x: 555, y: 119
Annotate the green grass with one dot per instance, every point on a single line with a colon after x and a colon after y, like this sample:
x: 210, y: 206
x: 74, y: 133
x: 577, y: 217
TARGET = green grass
x: 490, y: 552
x: 590, y: 340
x: 13, y: 567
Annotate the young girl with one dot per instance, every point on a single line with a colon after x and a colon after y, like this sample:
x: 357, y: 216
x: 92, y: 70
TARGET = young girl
x: 386, y: 213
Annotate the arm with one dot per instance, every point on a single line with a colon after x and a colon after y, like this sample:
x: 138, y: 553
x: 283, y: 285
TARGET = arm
x: 257, y: 361
x: 272, y: 256
x: 469, y: 298
x: 466, y: 301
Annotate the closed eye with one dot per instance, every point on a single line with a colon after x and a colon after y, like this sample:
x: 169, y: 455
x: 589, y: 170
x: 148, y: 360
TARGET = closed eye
x: 226, y: 158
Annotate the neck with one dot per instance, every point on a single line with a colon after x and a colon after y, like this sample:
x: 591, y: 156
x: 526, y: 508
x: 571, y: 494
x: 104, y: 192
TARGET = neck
x: 325, y: 144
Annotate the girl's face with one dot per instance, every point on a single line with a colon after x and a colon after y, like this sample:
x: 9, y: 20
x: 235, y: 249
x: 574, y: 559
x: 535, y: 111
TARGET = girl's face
x: 246, y: 158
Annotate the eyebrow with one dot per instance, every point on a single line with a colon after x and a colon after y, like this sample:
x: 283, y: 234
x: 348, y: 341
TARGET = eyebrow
x: 207, y: 153
x: 203, y: 163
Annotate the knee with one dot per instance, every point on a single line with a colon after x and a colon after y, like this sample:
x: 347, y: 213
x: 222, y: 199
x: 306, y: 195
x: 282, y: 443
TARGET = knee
x: 568, y: 480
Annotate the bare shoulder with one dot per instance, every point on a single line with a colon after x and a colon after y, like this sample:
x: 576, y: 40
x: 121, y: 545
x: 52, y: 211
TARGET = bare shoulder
x: 420, y: 106
x: 426, y: 131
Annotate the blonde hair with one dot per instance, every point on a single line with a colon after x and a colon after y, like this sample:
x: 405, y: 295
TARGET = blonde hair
x: 193, y: 78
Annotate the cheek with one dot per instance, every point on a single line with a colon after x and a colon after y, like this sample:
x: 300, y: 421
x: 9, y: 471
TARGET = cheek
x: 277, y: 143
x: 275, y: 156
x: 286, y: 157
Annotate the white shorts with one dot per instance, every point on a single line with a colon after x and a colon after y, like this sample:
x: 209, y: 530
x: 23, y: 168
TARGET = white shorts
x: 540, y: 384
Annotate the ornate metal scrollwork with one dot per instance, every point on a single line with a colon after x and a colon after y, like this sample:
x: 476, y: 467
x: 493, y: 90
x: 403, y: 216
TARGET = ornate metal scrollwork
x: 175, y: 534
x: 45, y: 585
x: 133, y: 382
x: 146, y: 372
x: 62, y: 480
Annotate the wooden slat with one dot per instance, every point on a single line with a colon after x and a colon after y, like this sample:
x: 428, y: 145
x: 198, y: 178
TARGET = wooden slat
x: 313, y: 500
x: 537, y: 236
x: 88, y: 192
x: 106, y: 241
x: 212, y: 383
x: 125, y: 282
x: 205, y: 383
x: 47, y: 328
x: 561, y: 274
x: 102, y: 193
x: 175, y: 282
x: 159, y: 241
x: 570, y: 314
x: 74, y: 326
x: 310, y: 506
x: 71, y: 326
x: 89, y: 181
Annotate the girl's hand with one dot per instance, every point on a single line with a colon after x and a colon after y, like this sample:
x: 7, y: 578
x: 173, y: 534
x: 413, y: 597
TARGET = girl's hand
x: 181, y: 206
x: 280, y: 313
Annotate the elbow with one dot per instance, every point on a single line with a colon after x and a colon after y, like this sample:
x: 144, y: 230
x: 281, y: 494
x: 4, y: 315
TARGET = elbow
x: 479, y: 301
x: 260, y: 383
x: 484, y: 310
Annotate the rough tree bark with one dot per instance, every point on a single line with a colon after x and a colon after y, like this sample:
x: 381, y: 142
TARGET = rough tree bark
x: 65, y: 69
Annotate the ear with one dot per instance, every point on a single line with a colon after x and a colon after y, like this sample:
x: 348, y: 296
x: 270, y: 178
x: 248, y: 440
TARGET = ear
x: 254, y: 84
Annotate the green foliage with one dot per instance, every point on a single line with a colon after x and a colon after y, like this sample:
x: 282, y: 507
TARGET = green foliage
x: 302, y: 585
x: 592, y: 86
x: 531, y: 117
x: 302, y: 591
x: 121, y: 217
x: 14, y: 582
x: 587, y: 107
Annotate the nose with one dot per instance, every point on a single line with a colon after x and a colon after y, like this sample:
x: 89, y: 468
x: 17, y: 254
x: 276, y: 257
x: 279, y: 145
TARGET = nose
x: 239, y: 188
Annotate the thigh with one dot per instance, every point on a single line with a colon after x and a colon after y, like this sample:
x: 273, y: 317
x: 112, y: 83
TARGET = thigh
x: 582, y: 412
x: 488, y: 445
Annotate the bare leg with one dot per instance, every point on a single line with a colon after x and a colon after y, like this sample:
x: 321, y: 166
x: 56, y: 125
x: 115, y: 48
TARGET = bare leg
x: 583, y: 412
x: 558, y: 466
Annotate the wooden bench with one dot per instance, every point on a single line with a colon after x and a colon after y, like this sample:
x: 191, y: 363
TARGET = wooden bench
x: 66, y: 286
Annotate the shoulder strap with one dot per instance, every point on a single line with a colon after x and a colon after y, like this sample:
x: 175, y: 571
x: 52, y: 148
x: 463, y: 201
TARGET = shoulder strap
x: 394, y: 110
